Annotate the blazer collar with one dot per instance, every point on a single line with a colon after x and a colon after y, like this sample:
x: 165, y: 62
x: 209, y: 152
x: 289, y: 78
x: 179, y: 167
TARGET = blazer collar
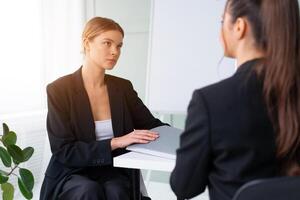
x: 248, y: 65
x: 83, y: 107
x: 116, y: 101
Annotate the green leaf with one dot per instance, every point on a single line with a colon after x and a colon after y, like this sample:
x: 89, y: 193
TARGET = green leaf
x: 3, y: 179
x: 3, y: 172
x: 8, y: 191
x: 27, y: 178
x: 27, y: 153
x: 5, y: 128
x: 16, y: 162
x: 5, y: 157
x: 9, y: 138
x: 24, y: 190
x: 16, y: 153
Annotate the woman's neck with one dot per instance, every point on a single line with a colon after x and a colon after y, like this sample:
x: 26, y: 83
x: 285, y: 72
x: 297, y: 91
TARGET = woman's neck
x: 93, y: 75
x: 250, y: 53
x: 242, y: 60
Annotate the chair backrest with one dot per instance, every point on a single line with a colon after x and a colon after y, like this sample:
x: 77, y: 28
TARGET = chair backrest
x: 281, y: 188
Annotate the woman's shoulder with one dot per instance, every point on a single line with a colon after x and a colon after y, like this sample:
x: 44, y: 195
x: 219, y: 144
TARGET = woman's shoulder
x: 239, y: 86
x: 118, y: 80
x: 67, y: 81
x: 65, y: 85
x: 61, y: 83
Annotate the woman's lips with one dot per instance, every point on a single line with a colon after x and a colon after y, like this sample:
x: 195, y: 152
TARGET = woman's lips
x: 111, y: 60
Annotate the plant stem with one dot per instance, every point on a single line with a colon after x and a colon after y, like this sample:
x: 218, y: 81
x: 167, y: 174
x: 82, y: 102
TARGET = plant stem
x: 15, y: 174
x: 12, y: 170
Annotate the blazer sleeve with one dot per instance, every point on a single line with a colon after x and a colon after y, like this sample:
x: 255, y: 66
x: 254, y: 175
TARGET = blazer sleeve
x: 142, y: 117
x: 190, y: 175
x: 64, y: 146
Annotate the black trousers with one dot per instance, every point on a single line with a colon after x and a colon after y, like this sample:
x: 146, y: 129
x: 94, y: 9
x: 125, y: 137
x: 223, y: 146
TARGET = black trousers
x: 97, y: 184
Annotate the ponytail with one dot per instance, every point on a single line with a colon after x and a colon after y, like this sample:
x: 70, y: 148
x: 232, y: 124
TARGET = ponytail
x: 276, y: 29
x: 280, y: 20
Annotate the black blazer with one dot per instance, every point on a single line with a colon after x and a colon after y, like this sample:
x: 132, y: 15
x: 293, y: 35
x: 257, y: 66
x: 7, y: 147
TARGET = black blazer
x: 71, y: 128
x: 228, y: 138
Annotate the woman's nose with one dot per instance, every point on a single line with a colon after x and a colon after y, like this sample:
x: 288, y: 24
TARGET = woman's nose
x: 114, y: 51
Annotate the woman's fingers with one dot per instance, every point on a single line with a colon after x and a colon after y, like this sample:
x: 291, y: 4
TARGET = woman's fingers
x: 143, y: 136
x: 139, y: 136
x: 141, y: 141
x: 146, y: 133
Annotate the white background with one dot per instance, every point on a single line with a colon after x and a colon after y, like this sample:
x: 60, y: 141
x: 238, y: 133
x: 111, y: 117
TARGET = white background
x: 185, y: 51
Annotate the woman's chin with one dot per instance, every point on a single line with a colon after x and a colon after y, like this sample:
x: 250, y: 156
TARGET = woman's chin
x: 109, y: 67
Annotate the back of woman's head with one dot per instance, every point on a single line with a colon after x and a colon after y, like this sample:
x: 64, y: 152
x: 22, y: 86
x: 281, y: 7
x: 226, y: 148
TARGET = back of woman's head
x: 98, y: 25
x: 275, y: 26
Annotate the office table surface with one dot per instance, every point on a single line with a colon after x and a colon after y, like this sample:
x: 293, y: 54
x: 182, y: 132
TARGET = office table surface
x: 148, y: 162
x: 144, y: 161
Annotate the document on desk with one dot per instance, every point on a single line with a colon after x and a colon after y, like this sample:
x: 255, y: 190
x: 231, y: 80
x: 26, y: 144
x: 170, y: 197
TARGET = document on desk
x: 165, y: 146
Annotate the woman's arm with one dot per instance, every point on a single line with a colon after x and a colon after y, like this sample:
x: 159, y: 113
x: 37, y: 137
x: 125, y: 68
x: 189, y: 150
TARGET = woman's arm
x: 190, y: 175
x: 142, y: 117
x: 136, y: 136
x: 64, y: 146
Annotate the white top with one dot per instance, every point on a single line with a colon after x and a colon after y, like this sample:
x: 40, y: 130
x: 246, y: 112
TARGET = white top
x: 103, y: 130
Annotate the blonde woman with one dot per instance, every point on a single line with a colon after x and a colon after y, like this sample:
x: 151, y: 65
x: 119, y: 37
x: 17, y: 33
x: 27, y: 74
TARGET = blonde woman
x: 92, y: 117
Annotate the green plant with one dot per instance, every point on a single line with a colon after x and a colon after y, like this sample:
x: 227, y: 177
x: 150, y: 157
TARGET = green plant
x: 12, y: 156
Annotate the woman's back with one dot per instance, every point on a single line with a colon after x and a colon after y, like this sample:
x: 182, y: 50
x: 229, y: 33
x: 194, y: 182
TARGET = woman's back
x: 242, y: 140
x: 248, y: 126
x: 228, y: 139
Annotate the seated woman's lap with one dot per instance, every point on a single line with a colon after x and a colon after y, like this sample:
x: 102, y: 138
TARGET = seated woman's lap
x: 108, y: 185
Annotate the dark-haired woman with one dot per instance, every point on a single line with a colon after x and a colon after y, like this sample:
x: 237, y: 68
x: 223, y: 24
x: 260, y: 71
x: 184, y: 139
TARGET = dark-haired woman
x: 246, y: 127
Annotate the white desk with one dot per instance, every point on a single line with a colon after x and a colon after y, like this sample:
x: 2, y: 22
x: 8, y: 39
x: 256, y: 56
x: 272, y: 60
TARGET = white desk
x: 143, y: 161
x: 136, y: 160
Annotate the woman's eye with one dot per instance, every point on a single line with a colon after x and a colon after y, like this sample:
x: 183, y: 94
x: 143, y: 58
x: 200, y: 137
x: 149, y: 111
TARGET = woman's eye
x: 222, y: 20
x: 107, y: 43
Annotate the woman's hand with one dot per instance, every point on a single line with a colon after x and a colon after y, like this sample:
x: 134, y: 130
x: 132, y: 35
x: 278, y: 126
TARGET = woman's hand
x: 136, y: 136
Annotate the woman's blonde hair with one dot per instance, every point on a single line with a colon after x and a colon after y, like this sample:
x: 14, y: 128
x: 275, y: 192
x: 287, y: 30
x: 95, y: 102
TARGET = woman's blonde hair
x: 96, y: 26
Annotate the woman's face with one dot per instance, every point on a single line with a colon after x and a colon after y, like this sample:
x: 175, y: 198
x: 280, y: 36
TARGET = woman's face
x: 228, y: 37
x: 104, y: 50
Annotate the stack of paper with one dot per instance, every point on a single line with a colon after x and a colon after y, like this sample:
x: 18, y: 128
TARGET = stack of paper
x: 165, y: 146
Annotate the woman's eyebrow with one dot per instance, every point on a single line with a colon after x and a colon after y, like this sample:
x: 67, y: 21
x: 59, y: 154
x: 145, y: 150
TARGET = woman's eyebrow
x: 121, y: 43
x: 108, y: 39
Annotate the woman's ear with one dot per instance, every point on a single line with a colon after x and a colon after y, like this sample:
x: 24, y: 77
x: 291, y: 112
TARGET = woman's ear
x: 86, y: 45
x: 240, y: 27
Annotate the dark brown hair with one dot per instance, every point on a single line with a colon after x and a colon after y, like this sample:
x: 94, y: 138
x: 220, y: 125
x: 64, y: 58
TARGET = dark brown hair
x: 276, y: 29
x: 98, y: 25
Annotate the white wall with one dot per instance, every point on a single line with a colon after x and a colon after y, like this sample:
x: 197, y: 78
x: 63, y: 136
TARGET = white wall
x: 185, y: 52
x: 40, y: 41
x: 21, y: 56
x: 134, y: 17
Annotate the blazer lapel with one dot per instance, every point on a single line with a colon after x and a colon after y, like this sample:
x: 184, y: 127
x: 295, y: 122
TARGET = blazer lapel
x: 84, y: 117
x: 83, y: 111
x: 116, y: 106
